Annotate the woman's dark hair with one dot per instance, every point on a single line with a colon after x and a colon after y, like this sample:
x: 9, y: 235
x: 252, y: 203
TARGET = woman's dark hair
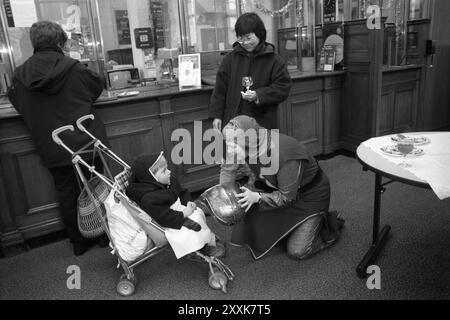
x: 47, y: 34
x: 250, y: 22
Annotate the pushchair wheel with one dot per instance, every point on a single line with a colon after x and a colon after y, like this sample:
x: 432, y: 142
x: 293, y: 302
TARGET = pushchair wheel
x: 125, y: 286
x: 218, y: 280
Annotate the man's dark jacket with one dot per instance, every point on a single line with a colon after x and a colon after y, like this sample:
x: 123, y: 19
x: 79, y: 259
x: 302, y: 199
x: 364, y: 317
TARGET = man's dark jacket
x: 271, y: 81
x: 51, y: 90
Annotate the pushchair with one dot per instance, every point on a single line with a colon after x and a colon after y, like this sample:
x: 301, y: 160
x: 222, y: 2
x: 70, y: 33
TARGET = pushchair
x: 219, y: 273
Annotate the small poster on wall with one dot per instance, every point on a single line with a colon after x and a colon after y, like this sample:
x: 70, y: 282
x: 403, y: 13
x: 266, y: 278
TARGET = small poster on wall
x: 329, y: 11
x: 189, y: 71
x: 9, y: 13
x: 123, y: 27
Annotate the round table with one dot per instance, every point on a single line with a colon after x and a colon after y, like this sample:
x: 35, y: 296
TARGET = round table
x: 382, y: 167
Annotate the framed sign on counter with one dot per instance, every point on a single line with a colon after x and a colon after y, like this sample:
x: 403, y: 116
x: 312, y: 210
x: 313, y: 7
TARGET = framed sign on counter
x: 189, y: 71
x: 333, y: 35
x: 327, y: 59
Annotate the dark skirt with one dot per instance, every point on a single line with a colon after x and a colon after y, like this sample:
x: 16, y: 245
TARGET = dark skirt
x: 260, y: 231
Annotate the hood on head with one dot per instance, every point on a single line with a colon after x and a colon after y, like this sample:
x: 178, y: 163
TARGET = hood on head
x: 46, y: 71
x: 141, y: 165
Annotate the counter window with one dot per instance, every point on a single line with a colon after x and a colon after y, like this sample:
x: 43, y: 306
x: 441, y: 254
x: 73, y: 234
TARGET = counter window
x: 150, y: 34
x: 141, y: 33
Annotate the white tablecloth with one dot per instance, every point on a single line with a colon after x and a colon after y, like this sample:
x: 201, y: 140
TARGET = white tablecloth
x: 432, y: 167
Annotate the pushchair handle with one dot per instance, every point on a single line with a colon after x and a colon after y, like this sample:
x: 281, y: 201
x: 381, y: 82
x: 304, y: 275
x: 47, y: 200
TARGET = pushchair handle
x: 83, y: 118
x: 57, y: 131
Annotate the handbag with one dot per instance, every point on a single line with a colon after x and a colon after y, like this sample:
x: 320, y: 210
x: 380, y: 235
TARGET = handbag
x: 89, y: 221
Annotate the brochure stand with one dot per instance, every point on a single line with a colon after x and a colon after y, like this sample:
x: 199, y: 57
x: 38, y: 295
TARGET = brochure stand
x: 327, y: 59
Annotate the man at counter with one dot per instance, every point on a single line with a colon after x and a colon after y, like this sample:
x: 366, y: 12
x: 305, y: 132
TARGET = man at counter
x: 51, y: 90
x: 251, y: 57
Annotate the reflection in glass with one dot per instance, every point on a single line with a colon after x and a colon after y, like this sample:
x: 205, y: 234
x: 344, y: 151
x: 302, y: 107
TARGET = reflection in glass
x: 419, y: 9
x: 142, y: 33
x: 210, y: 24
x: 5, y: 64
x: 307, y: 34
x: 73, y: 18
x: 287, y: 47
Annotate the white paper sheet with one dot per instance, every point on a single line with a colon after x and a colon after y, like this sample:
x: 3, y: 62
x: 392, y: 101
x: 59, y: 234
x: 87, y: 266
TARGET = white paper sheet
x: 184, y: 240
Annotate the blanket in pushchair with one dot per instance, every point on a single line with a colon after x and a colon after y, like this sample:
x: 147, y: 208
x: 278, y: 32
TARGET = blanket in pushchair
x: 184, y: 240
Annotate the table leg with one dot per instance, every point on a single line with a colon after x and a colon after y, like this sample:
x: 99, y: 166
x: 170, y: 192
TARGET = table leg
x: 378, y: 238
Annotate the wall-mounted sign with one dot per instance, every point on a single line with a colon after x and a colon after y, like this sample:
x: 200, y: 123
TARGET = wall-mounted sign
x: 329, y: 11
x: 156, y: 9
x: 9, y: 13
x: 123, y: 27
x: 144, y: 38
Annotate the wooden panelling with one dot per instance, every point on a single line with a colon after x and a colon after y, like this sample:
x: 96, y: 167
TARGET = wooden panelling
x: 403, y: 110
x: 363, y: 55
x: 306, y: 120
x: 28, y: 186
x: 356, y: 122
x: 435, y: 111
x: 332, y: 103
x: 312, y: 113
x: 399, y: 101
x: 386, y: 119
x: 197, y: 174
x: 376, y: 102
x: 130, y: 139
x: 185, y: 103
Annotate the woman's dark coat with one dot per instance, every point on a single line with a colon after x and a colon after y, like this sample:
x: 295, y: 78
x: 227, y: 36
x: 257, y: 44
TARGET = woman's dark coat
x: 51, y: 90
x: 271, y: 81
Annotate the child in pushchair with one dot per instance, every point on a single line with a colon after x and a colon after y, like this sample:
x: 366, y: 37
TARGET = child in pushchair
x: 157, y: 192
x: 155, y: 236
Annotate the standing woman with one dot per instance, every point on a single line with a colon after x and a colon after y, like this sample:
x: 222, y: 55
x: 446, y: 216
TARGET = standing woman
x: 251, y: 56
x: 51, y: 90
x: 287, y: 197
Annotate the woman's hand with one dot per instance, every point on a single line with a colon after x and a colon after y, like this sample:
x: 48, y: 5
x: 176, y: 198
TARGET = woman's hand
x: 248, y: 198
x: 249, y: 95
